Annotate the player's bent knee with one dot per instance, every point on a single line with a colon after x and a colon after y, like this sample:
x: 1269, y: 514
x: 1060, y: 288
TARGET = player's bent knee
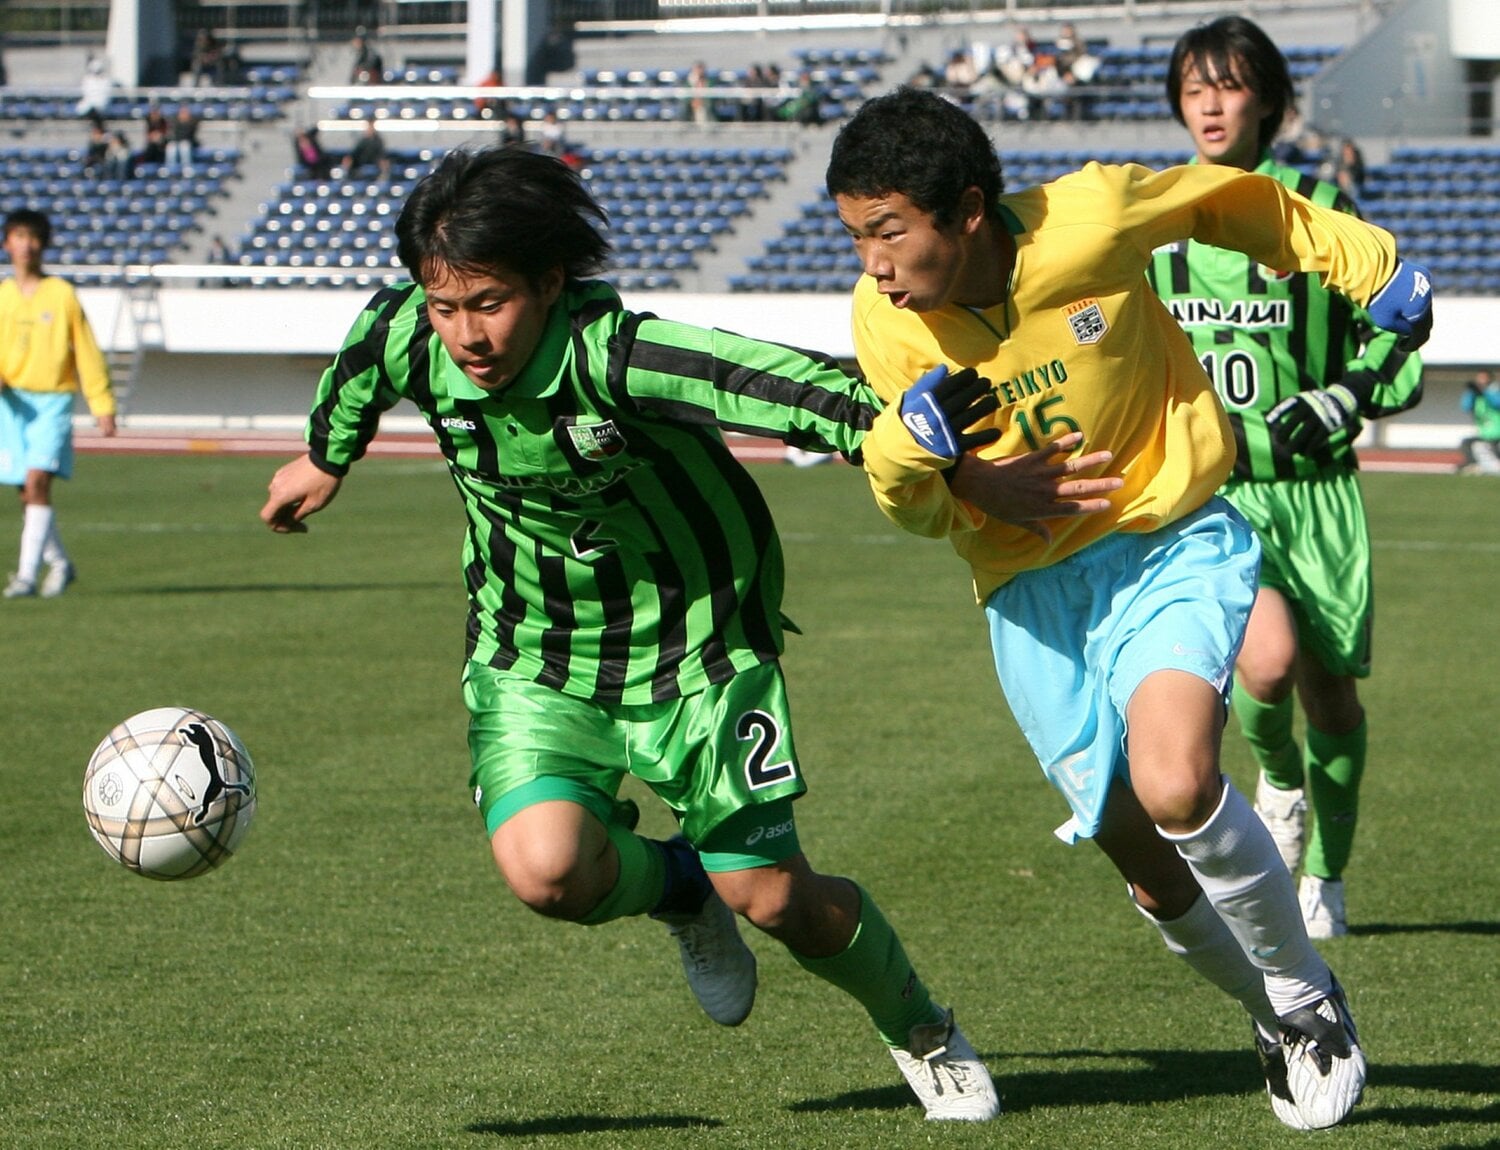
x: 764, y: 896
x: 555, y: 878
x: 1183, y: 802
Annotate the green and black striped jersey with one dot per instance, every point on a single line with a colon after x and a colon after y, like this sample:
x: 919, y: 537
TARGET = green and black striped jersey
x: 615, y: 549
x: 1262, y: 336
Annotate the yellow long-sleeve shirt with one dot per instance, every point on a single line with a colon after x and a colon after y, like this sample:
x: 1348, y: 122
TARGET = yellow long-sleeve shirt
x: 1082, y: 343
x: 46, y: 344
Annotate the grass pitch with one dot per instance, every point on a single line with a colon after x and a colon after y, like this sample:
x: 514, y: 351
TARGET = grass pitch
x: 358, y: 977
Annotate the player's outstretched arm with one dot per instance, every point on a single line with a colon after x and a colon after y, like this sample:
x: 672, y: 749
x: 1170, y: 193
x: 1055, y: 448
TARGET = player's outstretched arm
x: 297, y: 490
x: 1025, y: 490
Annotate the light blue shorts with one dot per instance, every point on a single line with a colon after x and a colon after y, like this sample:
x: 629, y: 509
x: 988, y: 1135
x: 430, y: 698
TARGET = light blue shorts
x: 1073, y: 641
x: 36, y: 434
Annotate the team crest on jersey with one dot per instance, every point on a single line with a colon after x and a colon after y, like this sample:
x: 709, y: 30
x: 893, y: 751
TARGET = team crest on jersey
x: 1086, y: 318
x: 596, y: 441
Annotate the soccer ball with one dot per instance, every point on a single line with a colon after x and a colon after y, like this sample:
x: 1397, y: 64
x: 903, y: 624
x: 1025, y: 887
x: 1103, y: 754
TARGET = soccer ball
x: 169, y: 793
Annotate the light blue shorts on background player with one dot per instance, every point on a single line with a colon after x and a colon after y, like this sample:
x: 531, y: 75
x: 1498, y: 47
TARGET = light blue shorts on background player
x: 1073, y: 641
x: 36, y: 434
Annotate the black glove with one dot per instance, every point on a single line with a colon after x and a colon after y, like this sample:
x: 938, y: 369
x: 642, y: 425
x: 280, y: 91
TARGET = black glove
x: 1310, y: 421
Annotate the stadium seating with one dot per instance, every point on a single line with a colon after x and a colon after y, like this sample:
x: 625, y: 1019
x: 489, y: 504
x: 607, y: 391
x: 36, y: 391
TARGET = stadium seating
x: 1443, y: 204
x: 841, y: 76
x: 103, y: 224
x: 256, y: 103
x: 665, y: 205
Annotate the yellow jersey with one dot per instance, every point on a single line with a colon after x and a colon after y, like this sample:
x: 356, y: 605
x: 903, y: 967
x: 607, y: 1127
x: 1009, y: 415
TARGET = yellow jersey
x: 46, y: 344
x: 1081, y: 343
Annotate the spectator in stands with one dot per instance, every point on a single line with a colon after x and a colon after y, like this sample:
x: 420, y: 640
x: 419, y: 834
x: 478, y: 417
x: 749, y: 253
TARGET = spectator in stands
x: 368, y: 67
x: 217, y: 253
x: 1047, y: 87
x: 1298, y: 386
x: 47, y: 354
x: 95, y: 88
x: 231, y: 66
x: 97, y: 151
x: 1481, y: 401
x: 513, y: 131
x: 311, y: 161
x: 553, y: 141
x: 156, y: 118
x: 119, y: 163
x: 368, y: 156
x: 700, y: 104
x: 4, y: 79
x: 805, y: 104
x: 1303, y: 147
x: 959, y: 73
x: 1016, y: 58
x: 208, y: 59
x: 1077, y: 66
x: 182, y: 140
x: 1349, y: 168
x: 754, y: 110
x: 154, y: 153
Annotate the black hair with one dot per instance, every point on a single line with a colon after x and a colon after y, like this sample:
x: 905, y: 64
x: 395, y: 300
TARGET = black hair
x: 919, y: 145
x: 502, y: 209
x: 1232, y: 46
x: 32, y: 220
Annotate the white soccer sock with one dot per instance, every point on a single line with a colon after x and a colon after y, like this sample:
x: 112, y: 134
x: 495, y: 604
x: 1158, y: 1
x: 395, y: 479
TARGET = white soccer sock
x: 1234, y: 859
x: 36, y: 525
x: 53, y: 552
x: 1201, y: 940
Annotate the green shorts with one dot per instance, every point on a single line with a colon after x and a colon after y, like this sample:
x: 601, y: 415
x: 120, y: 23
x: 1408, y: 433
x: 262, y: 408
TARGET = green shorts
x: 1315, y: 550
x: 707, y: 756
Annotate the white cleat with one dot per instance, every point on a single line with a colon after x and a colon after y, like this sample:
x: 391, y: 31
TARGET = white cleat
x: 1285, y: 816
x: 1273, y: 1066
x: 56, y: 581
x: 720, y: 968
x: 947, y: 1076
x: 1325, y: 1068
x: 19, y: 588
x: 1322, y: 901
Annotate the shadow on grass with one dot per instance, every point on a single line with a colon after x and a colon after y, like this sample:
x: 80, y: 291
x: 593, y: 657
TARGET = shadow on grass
x: 261, y: 588
x: 1373, y: 928
x: 591, y: 1124
x: 1168, y: 1076
x: 1175, y: 1075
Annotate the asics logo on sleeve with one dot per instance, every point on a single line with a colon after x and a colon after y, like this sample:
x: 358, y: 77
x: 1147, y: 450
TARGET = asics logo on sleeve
x: 768, y: 833
x: 461, y: 424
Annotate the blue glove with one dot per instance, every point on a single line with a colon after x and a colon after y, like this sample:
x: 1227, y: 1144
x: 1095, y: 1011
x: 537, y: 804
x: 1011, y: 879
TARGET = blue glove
x: 1310, y: 421
x: 939, y: 409
x: 1404, y: 305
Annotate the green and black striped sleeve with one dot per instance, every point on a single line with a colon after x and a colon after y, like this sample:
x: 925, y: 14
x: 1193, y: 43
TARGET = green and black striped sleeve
x: 389, y: 336
x: 696, y: 375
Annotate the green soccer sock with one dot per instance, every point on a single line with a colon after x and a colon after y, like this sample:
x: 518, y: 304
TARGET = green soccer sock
x: 1335, y: 764
x: 642, y: 879
x: 874, y: 969
x: 1268, y: 730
